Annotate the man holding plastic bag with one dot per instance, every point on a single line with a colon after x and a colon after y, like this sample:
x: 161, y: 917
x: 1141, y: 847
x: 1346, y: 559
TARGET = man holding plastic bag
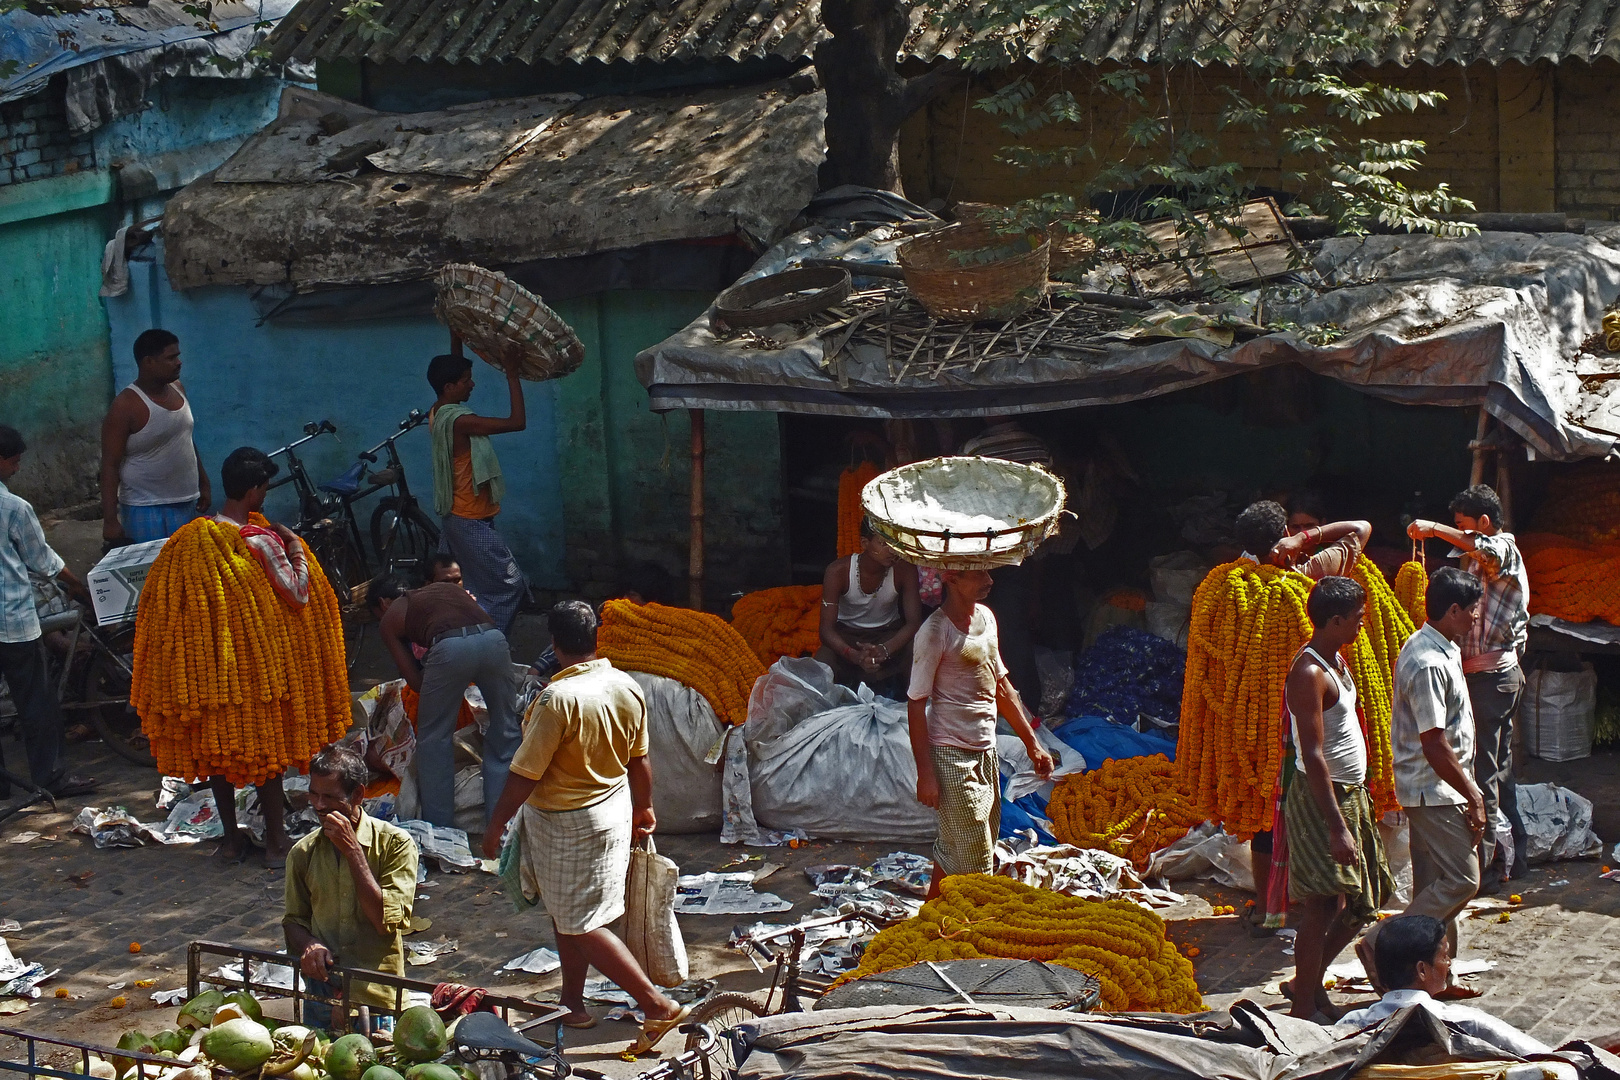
x: 958, y: 683
x: 581, y: 785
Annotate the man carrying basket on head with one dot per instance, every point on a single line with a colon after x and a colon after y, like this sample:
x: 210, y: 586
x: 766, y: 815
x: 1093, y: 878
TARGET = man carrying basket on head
x: 468, y: 486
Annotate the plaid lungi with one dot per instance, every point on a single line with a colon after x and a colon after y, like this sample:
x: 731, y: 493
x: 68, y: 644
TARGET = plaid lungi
x: 1366, y: 883
x: 487, y: 566
x: 577, y: 861
x: 143, y: 523
x: 969, y: 809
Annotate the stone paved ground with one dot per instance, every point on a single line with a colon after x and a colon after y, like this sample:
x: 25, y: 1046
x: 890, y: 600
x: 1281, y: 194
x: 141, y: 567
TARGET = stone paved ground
x: 1557, y: 973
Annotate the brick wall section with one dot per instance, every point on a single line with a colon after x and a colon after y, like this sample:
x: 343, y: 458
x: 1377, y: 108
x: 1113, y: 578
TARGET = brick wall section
x: 1587, y: 134
x: 35, y: 142
x: 943, y: 157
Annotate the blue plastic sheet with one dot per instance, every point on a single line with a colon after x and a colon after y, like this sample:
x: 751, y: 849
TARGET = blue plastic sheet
x: 1099, y: 739
x: 1028, y: 812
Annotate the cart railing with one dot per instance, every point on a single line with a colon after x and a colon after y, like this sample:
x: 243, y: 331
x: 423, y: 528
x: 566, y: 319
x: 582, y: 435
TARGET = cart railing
x: 539, y: 1014
x: 36, y: 1046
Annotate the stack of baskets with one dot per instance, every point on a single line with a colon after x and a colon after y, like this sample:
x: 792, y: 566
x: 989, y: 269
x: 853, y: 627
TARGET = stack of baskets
x: 506, y: 324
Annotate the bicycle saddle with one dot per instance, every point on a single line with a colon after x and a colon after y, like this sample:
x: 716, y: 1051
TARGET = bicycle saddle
x: 348, y: 483
x: 486, y: 1031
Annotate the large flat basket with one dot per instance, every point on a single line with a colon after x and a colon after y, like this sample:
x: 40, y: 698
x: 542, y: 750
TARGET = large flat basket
x: 964, y: 513
x: 506, y: 324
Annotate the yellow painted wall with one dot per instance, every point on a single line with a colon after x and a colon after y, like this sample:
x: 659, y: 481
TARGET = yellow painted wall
x: 950, y: 149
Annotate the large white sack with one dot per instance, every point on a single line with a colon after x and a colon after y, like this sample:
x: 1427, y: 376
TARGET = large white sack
x: 839, y: 773
x: 681, y: 729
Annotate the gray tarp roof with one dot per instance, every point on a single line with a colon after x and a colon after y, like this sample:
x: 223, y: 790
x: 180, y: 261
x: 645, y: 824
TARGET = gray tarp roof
x: 1496, y: 318
x: 366, y: 197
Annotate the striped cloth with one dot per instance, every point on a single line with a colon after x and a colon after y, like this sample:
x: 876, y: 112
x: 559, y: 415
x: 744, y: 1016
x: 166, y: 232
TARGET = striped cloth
x: 577, y: 861
x: 143, y: 523
x: 969, y: 809
x: 1311, y: 869
x: 488, y: 569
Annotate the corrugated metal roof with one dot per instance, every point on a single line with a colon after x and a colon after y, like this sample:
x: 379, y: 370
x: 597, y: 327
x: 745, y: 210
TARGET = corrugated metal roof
x: 551, y: 31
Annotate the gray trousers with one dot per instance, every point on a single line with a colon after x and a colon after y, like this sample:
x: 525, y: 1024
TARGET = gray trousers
x: 483, y: 660
x: 1495, y: 698
x: 1445, y: 864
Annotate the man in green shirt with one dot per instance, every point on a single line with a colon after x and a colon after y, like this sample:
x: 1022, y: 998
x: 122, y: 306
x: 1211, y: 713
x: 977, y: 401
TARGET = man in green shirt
x: 350, y: 888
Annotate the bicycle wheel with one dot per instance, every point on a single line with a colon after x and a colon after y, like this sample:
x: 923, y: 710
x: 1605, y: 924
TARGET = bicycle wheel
x: 107, y: 683
x: 720, y: 1014
x: 403, y: 537
x: 344, y: 564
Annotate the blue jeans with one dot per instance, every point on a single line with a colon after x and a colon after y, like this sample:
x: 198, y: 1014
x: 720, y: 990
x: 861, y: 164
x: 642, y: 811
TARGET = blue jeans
x: 143, y: 523
x: 318, y: 1014
x: 449, y: 667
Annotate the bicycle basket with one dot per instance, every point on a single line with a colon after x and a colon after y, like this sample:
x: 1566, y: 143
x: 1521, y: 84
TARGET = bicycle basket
x: 506, y: 324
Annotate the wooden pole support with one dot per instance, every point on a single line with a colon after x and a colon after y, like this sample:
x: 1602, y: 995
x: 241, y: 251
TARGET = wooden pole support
x: 1476, y: 474
x: 694, y: 567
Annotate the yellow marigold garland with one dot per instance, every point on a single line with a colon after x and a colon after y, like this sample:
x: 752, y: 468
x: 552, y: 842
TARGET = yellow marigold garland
x: 229, y: 679
x: 702, y: 651
x: 780, y: 622
x: 1371, y: 658
x: 850, y: 483
x: 978, y: 916
x: 1248, y: 623
x: 1411, y: 587
x: 1131, y: 807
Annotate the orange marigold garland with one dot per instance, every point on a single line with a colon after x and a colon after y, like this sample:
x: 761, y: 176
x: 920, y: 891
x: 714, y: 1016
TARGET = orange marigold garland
x: 1371, y: 658
x: 780, y: 622
x: 1130, y: 806
x: 1411, y: 587
x: 229, y: 679
x: 695, y: 648
x: 976, y: 916
x: 850, y: 483
x: 1572, y: 579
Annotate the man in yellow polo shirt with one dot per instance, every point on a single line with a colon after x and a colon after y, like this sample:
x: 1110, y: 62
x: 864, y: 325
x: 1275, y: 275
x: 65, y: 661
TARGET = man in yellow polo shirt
x: 582, y: 784
x: 351, y: 885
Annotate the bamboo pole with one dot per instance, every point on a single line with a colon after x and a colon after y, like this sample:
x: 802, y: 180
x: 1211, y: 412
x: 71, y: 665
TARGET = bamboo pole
x: 1476, y: 474
x: 694, y: 566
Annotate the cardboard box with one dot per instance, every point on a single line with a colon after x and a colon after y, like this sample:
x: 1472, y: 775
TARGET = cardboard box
x: 115, y: 582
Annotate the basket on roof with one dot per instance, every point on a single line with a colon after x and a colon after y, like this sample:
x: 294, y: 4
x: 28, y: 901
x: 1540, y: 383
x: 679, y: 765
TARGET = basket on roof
x: 964, y: 513
x: 972, y: 271
x: 505, y: 323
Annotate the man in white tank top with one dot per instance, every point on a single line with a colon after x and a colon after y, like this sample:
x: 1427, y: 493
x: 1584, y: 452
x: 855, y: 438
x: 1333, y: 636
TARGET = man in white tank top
x: 152, y: 481
x: 1337, y: 872
x: 870, y: 610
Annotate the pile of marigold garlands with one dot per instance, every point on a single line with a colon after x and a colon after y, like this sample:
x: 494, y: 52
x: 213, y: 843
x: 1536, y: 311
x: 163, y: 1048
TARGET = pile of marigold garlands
x: 977, y: 916
x: 229, y: 679
x: 1248, y: 624
x: 850, y: 512
x: 780, y: 622
x: 695, y: 648
x: 1131, y: 807
x: 1573, y: 555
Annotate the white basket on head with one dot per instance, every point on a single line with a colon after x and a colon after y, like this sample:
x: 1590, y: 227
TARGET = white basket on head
x: 964, y: 513
x: 506, y: 324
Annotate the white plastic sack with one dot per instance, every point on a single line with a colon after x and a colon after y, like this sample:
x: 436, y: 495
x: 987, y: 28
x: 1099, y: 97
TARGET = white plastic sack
x: 469, y: 799
x: 1176, y: 576
x: 1206, y: 851
x: 1016, y: 766
x: 1557, y: 712
x: 1397, y: 840
x: 839, y: 773
x: 1170, y: 621
x: 651, y: 932
x: 681, y: 730
x: 1056, y: 669
x: 1557, y: 823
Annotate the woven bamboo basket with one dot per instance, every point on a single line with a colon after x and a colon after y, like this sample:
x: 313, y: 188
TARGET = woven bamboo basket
x: 506, y: 324
x: 956, y: 291
x: 1068, y: 248
x: 964, y: 513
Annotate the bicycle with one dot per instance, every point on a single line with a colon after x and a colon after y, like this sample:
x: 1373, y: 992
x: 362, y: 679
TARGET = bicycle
x: 402, y: 535
x: 91, y: 667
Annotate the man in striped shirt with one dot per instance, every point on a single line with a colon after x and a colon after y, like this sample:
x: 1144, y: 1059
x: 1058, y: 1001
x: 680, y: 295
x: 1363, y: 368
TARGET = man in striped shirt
x: 1491, y: 655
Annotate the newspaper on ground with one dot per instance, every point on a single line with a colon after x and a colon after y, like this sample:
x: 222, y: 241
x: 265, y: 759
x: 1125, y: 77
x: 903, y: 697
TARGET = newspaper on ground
x: 1084, y: 872
x: 24, y: 838
x: 265, y: 974
x: 538, y: 962
x: 448, y: 846
x: 859, y: 887
x: 176, y: 996
x: 18, y: 978
x: 724, y: 894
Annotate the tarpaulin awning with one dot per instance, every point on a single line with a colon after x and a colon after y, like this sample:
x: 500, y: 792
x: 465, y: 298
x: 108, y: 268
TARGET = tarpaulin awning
x: 1496, y: 318
x: 334, y: 194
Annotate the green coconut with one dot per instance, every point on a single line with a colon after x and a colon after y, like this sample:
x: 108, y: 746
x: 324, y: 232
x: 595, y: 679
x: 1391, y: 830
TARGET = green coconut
x: 100, y: 1068
x: 199, y: 1011
x: 431, y: 1070
x: 419, y: 1034
x: 302, y: 1071
x: 239, y: 1045
x: 247, y: 1003
x: 132, y: 1040
x: 380, y: 1072
x: 171, y: 1040
x: 291, y: 1037
x: 350, y: 1057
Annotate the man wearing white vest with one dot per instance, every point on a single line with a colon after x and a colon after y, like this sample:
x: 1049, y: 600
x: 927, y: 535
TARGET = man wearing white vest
x: 152, y: 481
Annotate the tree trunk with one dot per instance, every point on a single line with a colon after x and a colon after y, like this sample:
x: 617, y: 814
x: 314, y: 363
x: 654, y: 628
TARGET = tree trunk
x: 867, y: 99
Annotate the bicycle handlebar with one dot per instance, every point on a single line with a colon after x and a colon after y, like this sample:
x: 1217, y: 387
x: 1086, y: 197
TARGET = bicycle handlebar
x: 312, y: 430
x: 415, y: 419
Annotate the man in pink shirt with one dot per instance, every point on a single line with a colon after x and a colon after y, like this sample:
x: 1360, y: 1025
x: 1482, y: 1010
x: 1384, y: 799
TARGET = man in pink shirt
x: 958, y: 685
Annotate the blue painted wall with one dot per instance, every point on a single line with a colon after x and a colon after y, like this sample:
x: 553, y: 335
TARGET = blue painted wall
x: 253, y: 385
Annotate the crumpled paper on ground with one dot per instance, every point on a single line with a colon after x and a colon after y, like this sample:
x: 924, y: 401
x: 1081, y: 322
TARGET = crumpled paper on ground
x: 724, y: 894
x: 1084, y: 872
x: 448, y: 846
x: 18, y: 978
x: 539, y: 962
